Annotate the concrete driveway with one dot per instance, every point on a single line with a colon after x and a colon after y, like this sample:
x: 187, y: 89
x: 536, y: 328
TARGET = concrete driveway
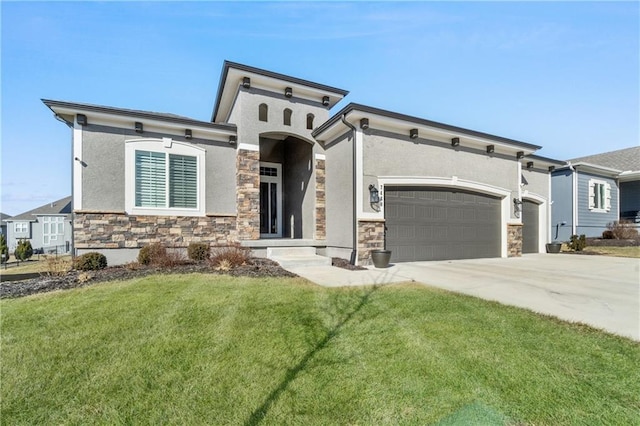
x: 601, y: 291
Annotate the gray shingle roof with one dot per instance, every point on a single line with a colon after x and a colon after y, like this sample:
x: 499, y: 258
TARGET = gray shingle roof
x: 4, y: 216
x: 62, y: 206
x: 627, y: 159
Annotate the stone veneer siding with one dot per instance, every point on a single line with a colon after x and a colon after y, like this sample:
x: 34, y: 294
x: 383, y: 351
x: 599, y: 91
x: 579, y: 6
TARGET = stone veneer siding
x: 514, y: 240
x: 119, y: 230
x: 248, y: 194
x: 370, y: 237
x: 321, y: 213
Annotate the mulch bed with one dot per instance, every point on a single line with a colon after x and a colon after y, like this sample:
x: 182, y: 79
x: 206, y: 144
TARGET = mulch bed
x: 344, y: 264
x: 255, y: 267
x: 600, y: 242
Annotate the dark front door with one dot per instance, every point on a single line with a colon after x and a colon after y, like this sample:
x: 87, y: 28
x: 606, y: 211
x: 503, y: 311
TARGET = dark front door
x: 270, y: 200
x: 530, y: 227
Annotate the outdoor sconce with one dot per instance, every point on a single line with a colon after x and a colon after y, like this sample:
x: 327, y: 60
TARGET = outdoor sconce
x: 188, y: 134
x: 81, y: 119
x: 517, y: 207
x: 325, y: 100
x: 552, y: 168
x: 246, y: 82
x: 232, y: 139
x: 374, y: 195
x: 138, y: 127
x: 520, y: 155
x: 491, y: 149
x: 455, y: 142
x: 530, y: 165
x: 413, y: 133
x: 288, y: 92
x: 364, y: 123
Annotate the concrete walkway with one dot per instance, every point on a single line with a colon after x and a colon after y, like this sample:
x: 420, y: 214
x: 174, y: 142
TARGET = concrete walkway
x: 601, y: 291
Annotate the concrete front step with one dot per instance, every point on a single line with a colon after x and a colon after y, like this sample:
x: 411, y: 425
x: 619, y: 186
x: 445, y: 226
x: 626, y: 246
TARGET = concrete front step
x: 297, y: 257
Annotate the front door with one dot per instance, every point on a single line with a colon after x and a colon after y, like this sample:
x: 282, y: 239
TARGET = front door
x: 270, y: 200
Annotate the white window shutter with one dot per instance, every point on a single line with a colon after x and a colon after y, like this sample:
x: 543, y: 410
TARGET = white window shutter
x: 592, y: 195
x: 607, y: 196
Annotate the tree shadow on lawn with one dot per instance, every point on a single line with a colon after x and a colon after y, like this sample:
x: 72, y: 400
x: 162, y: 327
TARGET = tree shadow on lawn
x: 292, y: 373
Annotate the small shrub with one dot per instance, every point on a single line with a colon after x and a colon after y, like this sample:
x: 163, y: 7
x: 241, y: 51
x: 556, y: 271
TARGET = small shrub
x: 607, y: 235
x: 232, y: 255
x: 156, y: 254
x: 224, y: 265
x: 4, y: 250
x: 578, y: 243
x: 199, y: 251
x: 132, y: 266
x: 91, y: 261
x: 58, y: 266
x: 85, y: 277
x: 623, y: 230
x: 24, y: 250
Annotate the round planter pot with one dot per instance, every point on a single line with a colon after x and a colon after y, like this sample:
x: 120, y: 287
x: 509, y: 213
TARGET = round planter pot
x: 380, y: 258
x: 554, y: 247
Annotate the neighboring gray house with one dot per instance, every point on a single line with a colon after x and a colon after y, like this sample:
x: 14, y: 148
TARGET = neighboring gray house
x: 591, y: 192
x: 48, y: 227
x: 3, y: 224
x: 273, y: 169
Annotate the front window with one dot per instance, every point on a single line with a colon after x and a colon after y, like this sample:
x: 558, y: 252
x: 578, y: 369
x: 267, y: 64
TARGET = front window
x: 164, y: 178
x: 52, y: 230
x: 599, y: 195
x: 21, y: 227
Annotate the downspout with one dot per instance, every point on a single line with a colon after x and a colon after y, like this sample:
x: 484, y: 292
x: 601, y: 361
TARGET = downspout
x: 354, y: 251
x: 574, y: 200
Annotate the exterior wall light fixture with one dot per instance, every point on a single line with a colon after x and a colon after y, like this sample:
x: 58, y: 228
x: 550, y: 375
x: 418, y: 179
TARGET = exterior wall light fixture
x: 325, y: 100
x: 81, y: 119
x: 188, y: 134
x: 138, y: 127
x: 288, y: 92
x: 491, y: 149
x: 455, y: 142
x: 364, y: 123
x: 374, y: 195
x: 517, y: 207
x: 520, y: 155
x: 530, y: 165
x: 232, y: 139
x: 246, y: 82
x: 413, y: 133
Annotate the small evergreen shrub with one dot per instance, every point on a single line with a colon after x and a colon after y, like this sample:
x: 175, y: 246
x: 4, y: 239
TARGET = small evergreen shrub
x: 4, y: 250
x: 578, y: 243
x: 199, y: 251
x: 607, y: 235
x: 230, y: 256
x: 91, y: 261
x: 623, y: 230
x: 24, y: 250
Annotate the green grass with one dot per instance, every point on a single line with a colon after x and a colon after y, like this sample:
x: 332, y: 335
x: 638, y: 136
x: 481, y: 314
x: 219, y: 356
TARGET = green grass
x: 200, y: 349
x: 633, y: 252
x: 35, y: 265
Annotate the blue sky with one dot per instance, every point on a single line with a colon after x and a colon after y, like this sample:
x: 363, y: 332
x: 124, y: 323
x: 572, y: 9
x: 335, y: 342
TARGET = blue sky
x: 561, y: 75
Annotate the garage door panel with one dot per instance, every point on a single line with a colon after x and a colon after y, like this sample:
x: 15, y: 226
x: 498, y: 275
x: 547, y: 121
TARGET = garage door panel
x: 530, y: 226
x: 437, y: 224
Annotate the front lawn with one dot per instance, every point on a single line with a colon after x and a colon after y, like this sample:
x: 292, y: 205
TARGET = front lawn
x: 210, y: 349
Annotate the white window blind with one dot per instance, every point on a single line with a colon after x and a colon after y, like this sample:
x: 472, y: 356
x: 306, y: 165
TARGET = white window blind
x: 150, y: 179
x: 183, y: 181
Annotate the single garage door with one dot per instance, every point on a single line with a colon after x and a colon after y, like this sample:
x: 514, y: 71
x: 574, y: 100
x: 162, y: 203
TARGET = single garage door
x: 426, y: 223
x: 530, y: 227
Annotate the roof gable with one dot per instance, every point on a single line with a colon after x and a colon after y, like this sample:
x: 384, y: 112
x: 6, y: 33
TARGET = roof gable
x: 627, y: 159
x: 59, y: 207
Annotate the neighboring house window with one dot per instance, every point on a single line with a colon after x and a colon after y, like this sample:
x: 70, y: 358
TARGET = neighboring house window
x: 164, y: 177
x: 263, y: 112
x: 52, y: 230
x: 599, y: 195
x: 287, y: 117
x: 21, y: 227
x: 310, y: 118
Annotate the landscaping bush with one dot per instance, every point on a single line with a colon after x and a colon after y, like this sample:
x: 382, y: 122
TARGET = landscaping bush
x: 622, y: 230
x: 4, y: 250
x: 607, y: 235
x: 199, y: 251
x: 578, y: 243
x: 230, y: 256
x: 58, y: 266
x: 24, y: 250
x: 91, y: 261
x: 156, y: 254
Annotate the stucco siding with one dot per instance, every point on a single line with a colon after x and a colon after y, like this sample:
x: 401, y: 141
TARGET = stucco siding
x: 593, y: 223
x: 339, y: 192
x: 562, y: 204
x: 387, y: 154
x: 103, y: 172
x: 538, y: 182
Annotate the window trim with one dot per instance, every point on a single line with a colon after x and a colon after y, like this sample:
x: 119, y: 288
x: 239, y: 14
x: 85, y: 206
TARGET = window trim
x: 606, y: 197
x: 166, y: 146
x: 23, y: 225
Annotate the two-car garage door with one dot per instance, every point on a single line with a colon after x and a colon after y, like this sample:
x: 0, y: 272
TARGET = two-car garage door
x: 425, y: 223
